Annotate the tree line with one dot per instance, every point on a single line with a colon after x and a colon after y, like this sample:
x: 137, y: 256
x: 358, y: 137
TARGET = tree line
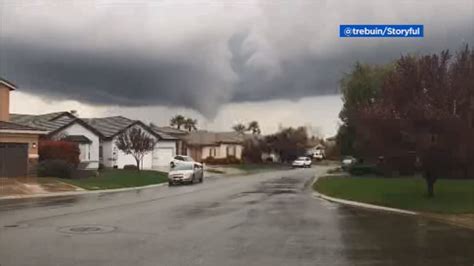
x: 416, y: 113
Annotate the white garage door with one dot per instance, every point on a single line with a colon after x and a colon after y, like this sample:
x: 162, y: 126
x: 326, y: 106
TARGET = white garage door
x: 162, y: 156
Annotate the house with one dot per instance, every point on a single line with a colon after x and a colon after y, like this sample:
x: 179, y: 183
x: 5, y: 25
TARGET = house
x: 110, y: 156
x: 66, y: 126
x: 18, y: 143
x: 202, y: 144
x: 96, y: 138
x: 178, y: 134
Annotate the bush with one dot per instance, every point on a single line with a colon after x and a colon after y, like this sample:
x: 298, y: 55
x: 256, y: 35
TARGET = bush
x: 59, y: 150
x: 363, y: 169
x: 55, y: 168
x: 130, y: 167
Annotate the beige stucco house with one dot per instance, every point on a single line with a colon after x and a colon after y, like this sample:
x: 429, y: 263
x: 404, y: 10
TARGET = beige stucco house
x: 18, y: 143
x: 203, y: 144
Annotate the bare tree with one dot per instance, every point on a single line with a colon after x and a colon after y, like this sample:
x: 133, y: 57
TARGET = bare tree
x: 135, y: 142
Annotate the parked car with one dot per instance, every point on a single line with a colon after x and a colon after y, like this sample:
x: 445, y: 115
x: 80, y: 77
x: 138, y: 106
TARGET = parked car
x: 186, y: 172
x: 302, y: 162
x: 348, y: 161
x: 180, y: 159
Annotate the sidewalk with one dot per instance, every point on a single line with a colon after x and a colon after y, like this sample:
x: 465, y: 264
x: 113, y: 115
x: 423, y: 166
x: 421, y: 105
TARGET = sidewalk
x: 27, y: 186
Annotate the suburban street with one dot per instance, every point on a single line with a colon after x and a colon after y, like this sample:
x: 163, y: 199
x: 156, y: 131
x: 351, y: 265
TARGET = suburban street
x: 269, y: 218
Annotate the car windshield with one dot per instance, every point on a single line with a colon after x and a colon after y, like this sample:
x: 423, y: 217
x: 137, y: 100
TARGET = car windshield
x: 183, y: 166
x: 236, y: 132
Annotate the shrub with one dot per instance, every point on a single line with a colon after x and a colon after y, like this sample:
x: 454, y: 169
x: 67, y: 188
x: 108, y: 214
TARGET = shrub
x: 363, y: 169
x: 130, y: 167
x: 55, y: 168
x: 59, y: 150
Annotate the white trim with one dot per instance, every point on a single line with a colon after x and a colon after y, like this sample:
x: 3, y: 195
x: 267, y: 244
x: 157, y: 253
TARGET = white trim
x: 13, y: 131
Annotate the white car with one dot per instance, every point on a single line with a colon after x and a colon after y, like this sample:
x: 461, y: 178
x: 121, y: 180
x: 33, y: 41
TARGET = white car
x: 302, y: 162
x: 348, y: 161
x: 181, y: 159
x: 186, y: 172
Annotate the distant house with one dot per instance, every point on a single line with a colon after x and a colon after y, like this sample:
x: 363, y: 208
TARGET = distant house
x: 111, y: 127
x: 96, y: 138
x: 18, y: 143
x: 178, y: 134
x: 219, y: 145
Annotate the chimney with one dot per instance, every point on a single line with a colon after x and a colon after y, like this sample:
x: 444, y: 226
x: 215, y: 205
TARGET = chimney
x: 5, y: 88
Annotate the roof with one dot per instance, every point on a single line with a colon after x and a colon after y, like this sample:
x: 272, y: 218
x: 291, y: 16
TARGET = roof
x: 105, y: 127
x: 8, y: 84
x: 17, y: 128
x: 163, y: 134
x: 110, y: 126
x: 49, y: 122
x: 171, y: 131
x: 77, y: 138
x: 207, y: 138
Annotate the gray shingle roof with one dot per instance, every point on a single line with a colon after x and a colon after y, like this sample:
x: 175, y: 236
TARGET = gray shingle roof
x: 109, y: 126
x: 171, y: 131
x: 163, y: 134
x: 14, y: 126
x: 207, y: 138
x: 48, y: 122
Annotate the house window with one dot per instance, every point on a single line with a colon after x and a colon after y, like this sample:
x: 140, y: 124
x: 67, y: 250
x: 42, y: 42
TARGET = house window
x: 101, y: 153
x: 212, y: 152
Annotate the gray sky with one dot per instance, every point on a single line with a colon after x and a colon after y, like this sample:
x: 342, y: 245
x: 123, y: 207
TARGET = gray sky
x: 274, y: 61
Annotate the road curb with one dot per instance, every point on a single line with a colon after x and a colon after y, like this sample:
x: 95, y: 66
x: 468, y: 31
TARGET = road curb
x: 317, y: 194
x: 82, y: 192
x: 363, y: 205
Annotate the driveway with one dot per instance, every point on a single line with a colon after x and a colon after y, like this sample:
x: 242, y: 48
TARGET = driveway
x: 263, y: 219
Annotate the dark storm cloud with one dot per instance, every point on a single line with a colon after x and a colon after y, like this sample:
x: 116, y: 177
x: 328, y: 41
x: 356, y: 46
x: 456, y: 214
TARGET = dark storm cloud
x: 287, y: 55
x: 110, y: 79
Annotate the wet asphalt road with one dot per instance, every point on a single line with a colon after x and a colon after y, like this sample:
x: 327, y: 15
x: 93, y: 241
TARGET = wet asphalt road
x: 263, y: 219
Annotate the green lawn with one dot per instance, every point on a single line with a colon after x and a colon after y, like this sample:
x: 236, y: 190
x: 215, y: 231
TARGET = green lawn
x: 451, y: 196
x: 119, y: 179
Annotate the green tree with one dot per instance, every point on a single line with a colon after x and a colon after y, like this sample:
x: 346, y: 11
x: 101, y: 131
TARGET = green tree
x: 190, y: 124
x: 240, y: 128
x: 288, y: 143
x: 177, y: 121
x: 360, y: 88
x: 254, y: 127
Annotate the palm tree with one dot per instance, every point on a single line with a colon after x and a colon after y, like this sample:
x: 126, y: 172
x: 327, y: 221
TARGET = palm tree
x: 177, y: 121
x: 254, y: 128
x: 190, y: 124
x: 241, y: 128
